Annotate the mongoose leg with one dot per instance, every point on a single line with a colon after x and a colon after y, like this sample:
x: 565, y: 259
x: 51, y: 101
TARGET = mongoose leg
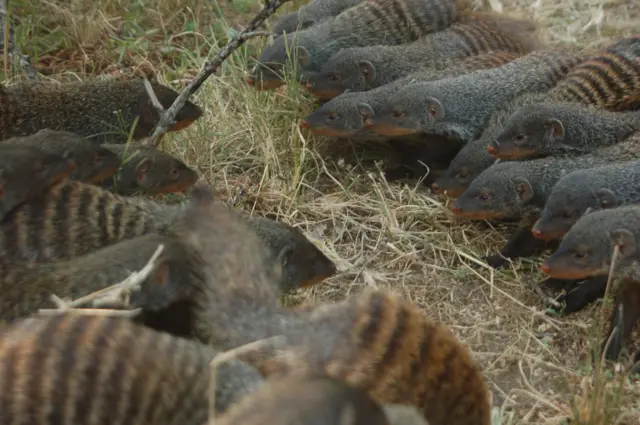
x: 583, y: 294
x: 520, y: 244
x: 629, y: 300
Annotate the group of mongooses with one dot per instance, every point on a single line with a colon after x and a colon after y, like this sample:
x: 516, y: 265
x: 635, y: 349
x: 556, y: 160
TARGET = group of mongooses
x: 476, y: 106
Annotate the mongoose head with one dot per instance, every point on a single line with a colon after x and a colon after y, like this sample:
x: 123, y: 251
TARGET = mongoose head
x: 343, y: 116
x: 26, y: 173
x: 148, y: 117
x: 528, y: 132
x: 408, y: 112
x: 572, y: 196
x: 472, y: 160
x: 587, y: 248
x: 499, y: 192
x: 349, y: 69
x: 303, y: 264
x: 269, y: 71
x: 305, y: 400
x: 150, y: 170
x: 93, y: 162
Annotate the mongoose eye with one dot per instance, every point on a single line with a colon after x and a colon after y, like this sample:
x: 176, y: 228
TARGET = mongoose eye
x: 461, y: 174
x: 333, y: 117
x: 397, y: 114
x: 174, y: 173
x: 580, y: 255
x: 520, y: 137
x: 97, y: 160
x: 567, y: 214
x: 484, y: 196
x: 335, y: 77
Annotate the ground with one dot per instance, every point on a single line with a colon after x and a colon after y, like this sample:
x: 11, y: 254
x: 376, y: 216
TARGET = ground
x: 384, y: 235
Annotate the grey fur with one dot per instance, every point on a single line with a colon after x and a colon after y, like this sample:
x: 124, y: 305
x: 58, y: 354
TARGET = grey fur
x: 312, y: 13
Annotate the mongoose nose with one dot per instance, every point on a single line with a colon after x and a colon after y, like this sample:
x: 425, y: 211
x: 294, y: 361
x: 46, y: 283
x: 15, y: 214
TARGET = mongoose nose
x: 537, y: 233
x: 309, y: 86
x: 545, y: 268
x: 493, y: 148
x: 436, y: 187
x: 455, y: 210
x: 250, y: 81
x: 304, y: 124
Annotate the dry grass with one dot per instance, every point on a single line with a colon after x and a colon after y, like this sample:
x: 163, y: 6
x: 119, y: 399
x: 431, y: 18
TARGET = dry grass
x: 384, y: 235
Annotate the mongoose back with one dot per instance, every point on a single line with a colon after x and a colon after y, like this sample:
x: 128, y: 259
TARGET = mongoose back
x: 92, y: 162
x: 347, y: 115
x: 389, y: 22
x: 78, y: 369
x: 608, y: 186
x: 312, y: 13
x: 94, y: 109
x: 587, y: 250
x: 27, y: 173
x: 365, y: 68
x: 149, y: 170
x: 307, y: 400
x: 458, y: 108
x: 74, y: 219
x: 551, y: 128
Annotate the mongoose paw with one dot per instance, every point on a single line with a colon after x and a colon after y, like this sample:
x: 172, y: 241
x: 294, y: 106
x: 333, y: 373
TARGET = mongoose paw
x: 496, y: 261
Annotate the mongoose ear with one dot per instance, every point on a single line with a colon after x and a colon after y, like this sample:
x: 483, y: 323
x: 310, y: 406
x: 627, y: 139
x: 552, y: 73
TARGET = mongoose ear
x: 303, y: 56
x: 435, y: 108
x: 143, y: 168
x: 607, y: 198
x: 285, y: 255
x: 524, y: 188
x: 368, y: 70
x: 365, y: 110
x: 556, y: 129
x: 625, y: 241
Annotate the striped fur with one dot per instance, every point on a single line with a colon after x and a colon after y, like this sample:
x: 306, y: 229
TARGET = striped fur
x: 81, y: 370
x: 605, y: 78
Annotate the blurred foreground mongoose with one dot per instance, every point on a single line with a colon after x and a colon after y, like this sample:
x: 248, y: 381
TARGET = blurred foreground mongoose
x: 598, y: 74
x: 551, y: 128
x: 458, y: 108
x: 514, y: 189
x: 318, y: 400
x: 148, y: 170
x: 587, y: 250
x: 27, y: 173
x: 74, y: 219
x: 103, y: 111
x: 608, y: 186
x: 365, y: 68
x: 87, y: 370
x: 346, y: 115
x: 312, y: 13
x: 92, y: 162
x: 389, y: 22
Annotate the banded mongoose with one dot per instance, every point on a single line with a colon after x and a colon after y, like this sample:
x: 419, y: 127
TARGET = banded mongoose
x: 446, y: 382
x: 608, y: 186
x: 317, y: 400
x: 365, y: 68
x: 587, y: 250
x: 27, y: 173
x: 459, y: 108
x: 74, y: 219
x: 148, y: 170
x: 604, y: 80
x: 81, y: 369
x: 389, y: 22
x: 27, y: 287
x: 347, y: 115
x: 514, y: 189
x: 553, y: 128
x: 311, y: 13
x: 103, y: 111
x: 585, y: 77
x: 92, y: 162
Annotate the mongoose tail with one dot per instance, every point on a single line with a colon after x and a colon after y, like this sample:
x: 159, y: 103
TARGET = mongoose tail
x: 92, y: 162
x: 89, y: 369
x: 365, y: 68
x: 103, y: 111
x: 348, y: 115
x: 149, y: 170
x: 27, y: 173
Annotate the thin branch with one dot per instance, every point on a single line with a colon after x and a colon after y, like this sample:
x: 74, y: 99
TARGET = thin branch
x: 167, y: 117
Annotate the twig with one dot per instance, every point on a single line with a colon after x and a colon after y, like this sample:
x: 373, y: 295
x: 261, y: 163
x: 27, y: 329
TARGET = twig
x: 118, y: 293
x: 90, y: 312
x: 228, y: 356
x: 11, y: 50
x: 167, y: 117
